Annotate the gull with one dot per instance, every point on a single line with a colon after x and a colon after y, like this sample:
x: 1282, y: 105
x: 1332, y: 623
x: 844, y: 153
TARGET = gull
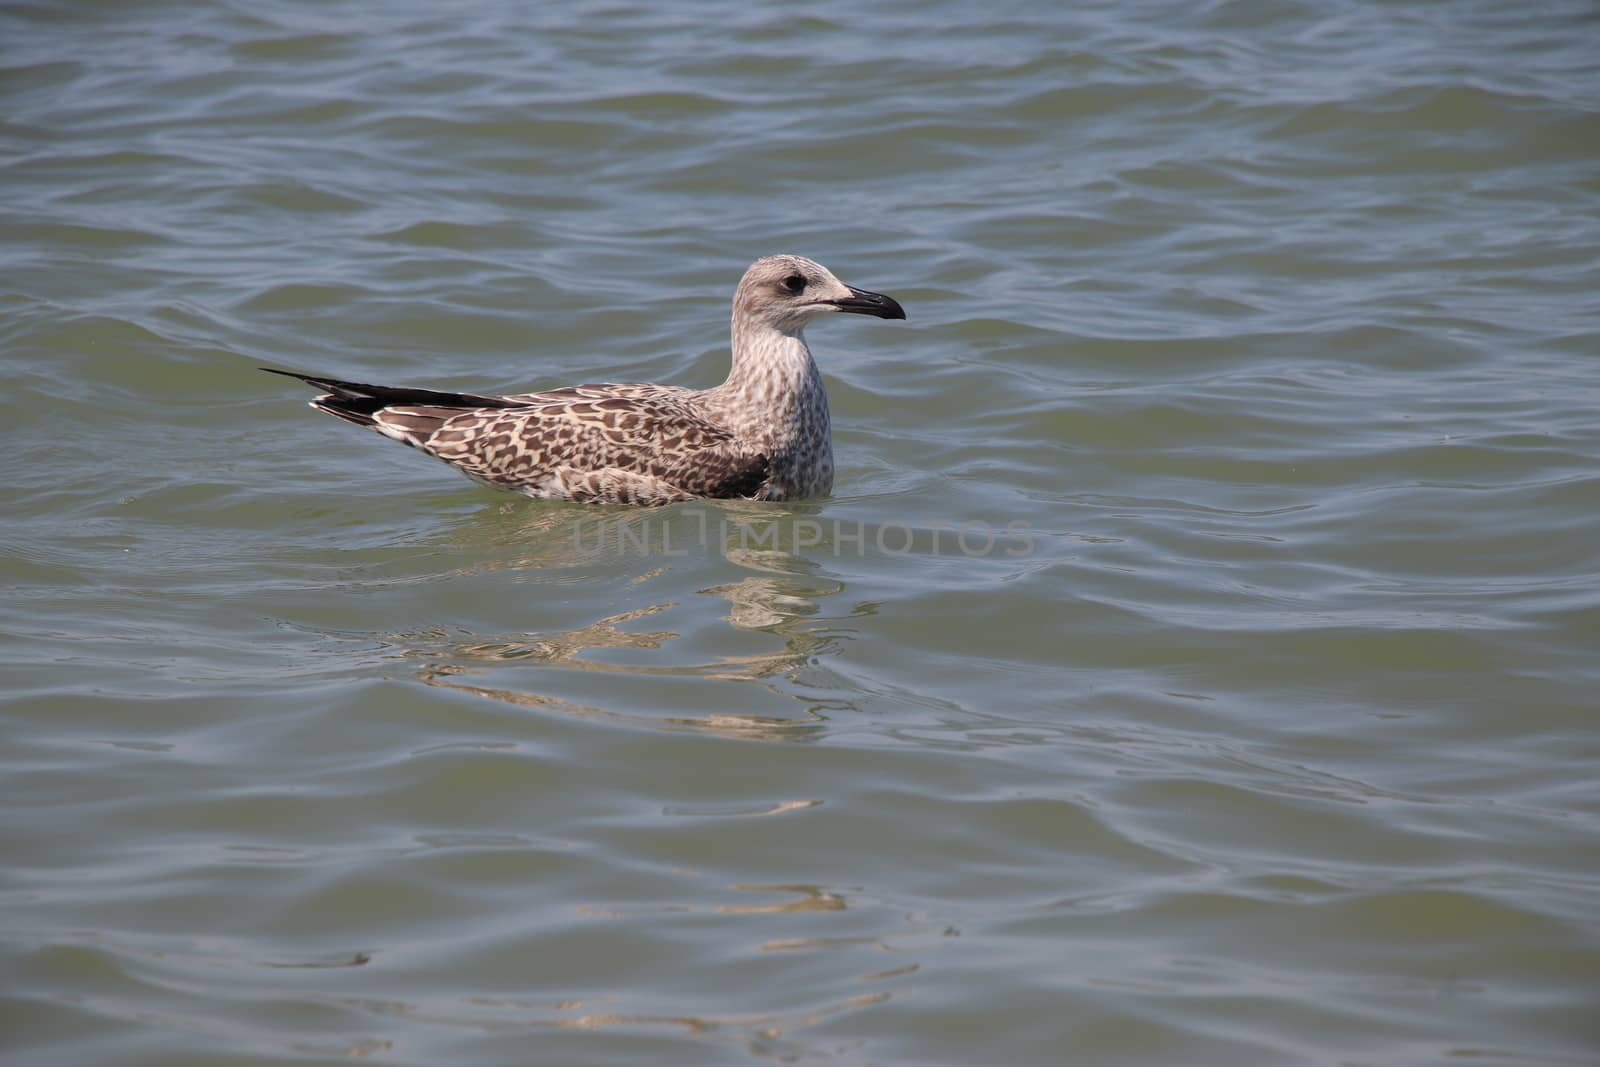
x: 763, y: 434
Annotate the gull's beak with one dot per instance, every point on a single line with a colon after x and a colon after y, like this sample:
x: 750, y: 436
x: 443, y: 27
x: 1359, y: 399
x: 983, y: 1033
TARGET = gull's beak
x: 862, y: 302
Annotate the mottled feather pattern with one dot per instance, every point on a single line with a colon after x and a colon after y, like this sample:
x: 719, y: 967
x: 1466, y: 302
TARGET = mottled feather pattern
x: 764, y: 433
x: 592, y: 442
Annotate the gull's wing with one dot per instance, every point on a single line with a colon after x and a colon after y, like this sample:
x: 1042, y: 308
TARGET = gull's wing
x: 633, y: 443
x: 585, y: 442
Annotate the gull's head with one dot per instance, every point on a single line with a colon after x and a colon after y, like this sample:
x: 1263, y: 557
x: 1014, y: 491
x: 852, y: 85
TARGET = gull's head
x: 785, y: 292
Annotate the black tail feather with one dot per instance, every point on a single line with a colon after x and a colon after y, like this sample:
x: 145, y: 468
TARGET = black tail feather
x: 357, y: 402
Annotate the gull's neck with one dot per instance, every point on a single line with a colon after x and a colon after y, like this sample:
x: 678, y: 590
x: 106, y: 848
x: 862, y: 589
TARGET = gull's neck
x: 774, y: 400
x: 773, y: 377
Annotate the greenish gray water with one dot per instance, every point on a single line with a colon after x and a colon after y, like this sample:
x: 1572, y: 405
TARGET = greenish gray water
x: 1196, y: 663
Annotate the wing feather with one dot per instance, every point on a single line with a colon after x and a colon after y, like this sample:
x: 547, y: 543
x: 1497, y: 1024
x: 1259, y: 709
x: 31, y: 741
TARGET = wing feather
x: 658, y: 436
x: 601, y: 441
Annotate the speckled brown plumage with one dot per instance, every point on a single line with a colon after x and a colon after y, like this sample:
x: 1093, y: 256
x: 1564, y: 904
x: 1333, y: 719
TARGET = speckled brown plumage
x: 763, y: 433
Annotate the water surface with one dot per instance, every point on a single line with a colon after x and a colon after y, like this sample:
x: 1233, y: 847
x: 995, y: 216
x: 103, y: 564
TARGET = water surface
x: 1195, y: 664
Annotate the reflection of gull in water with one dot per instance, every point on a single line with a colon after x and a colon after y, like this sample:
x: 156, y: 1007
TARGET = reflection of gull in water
x: 449, y: 664
x: 776, y: 601
x: 761, y: 603
x: 775, y: 597
x: 551, y: 536
x: 725, y: 724
x: 566, y: 647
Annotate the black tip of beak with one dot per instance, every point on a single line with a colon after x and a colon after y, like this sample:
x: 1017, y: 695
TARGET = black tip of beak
x: 862, y: 302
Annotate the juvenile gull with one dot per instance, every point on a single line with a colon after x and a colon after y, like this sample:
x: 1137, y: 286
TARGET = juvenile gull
x: 763, y: 434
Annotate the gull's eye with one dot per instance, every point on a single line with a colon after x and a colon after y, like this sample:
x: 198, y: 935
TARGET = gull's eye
x: 795, y: 283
